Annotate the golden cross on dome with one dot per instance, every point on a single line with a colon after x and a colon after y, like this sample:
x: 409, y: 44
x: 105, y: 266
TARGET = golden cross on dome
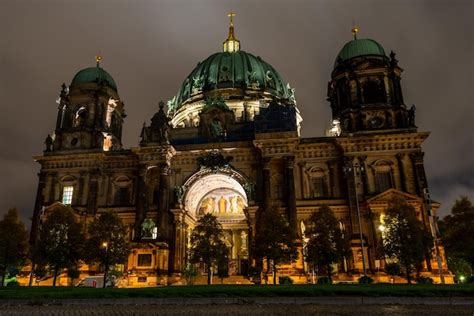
x: 231, y: 16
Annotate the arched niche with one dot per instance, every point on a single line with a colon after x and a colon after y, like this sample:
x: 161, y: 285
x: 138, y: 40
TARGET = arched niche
x: 219, y: 193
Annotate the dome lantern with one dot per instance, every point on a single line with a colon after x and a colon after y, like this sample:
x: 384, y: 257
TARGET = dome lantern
x: 231, y: 44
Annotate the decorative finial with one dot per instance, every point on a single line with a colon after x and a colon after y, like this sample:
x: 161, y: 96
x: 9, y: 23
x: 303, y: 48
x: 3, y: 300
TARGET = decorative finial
x: 354, y: 30
x: 232, y: 44
x: 98, y: 58
x: 231, y: 16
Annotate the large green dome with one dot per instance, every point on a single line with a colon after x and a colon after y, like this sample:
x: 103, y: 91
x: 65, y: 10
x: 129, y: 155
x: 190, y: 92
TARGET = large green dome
x: 223, y: 70
x: 96, y: 75
x: 360, y: 47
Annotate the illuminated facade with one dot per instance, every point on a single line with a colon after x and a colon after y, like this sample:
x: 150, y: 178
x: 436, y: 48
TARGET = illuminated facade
x: 229, y: 144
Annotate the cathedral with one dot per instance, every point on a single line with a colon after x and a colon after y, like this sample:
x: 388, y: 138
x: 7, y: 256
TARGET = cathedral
x: 229, y: 144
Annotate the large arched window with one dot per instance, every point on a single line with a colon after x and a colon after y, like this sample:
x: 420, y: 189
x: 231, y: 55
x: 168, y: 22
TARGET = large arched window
x: 374, y: 92
x: 122, y: 190
x: 383, y: 175
x: 318, y: 183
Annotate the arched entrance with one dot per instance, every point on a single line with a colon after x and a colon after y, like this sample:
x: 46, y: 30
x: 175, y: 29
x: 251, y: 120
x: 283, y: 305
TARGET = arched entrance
x: 222, y: 194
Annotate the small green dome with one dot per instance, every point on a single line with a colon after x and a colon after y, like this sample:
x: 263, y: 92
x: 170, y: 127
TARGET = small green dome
x: 360, y: 47
x: 94, y: 74
x: 230, y: 70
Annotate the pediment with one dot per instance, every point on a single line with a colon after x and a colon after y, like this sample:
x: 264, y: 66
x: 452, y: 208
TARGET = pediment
x: 58, y: 205
x: 388, y: 195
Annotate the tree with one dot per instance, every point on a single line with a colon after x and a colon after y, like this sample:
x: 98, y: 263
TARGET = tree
x: 274, y: 240
x: 327, y: 243
x: 13, y: 242
x: 61, y: 241
x: 207, y: 243
x: 404, y: 237
x: 459, y: 267
x: 108, y: 243
x: 223, y: 263
x: 458, y: 231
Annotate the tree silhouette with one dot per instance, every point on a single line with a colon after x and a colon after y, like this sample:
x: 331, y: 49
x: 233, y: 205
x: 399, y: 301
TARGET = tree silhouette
x: 274, y: 240
x: 458, y: 231
x: 108, y: 243
x: 207, y: 244
x: 13, y: 242
x: 327, y: 243
x: 61, y: 241
x: 404, y: 237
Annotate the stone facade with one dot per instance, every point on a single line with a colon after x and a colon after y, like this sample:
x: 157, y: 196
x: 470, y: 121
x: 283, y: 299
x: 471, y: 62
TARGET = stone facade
x: 234, y: 163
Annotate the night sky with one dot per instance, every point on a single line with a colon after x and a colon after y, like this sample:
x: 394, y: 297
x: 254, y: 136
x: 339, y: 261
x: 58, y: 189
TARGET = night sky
x: 149, y: 47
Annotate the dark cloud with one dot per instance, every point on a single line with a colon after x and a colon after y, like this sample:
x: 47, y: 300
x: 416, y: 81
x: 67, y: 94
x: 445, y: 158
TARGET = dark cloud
x: 150, y: 47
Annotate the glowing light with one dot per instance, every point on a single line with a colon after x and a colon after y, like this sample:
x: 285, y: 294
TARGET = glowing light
x: 382, y: 228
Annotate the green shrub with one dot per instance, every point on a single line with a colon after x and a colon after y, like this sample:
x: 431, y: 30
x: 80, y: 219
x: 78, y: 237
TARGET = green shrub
x: 424, y: 280
x: 324, y: 280
x: 190, y: 274
x: 13, y: 283
x: 393, y: 269
x: 470, y: 279
x: 285, y: 280
x: 365, y: 280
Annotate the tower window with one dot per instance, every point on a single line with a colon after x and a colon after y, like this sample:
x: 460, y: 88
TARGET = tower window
x: 383, y: 180
x: 319, y: 187
x: 374, y: 92
x: 67, y: 194
x: 122, y: 196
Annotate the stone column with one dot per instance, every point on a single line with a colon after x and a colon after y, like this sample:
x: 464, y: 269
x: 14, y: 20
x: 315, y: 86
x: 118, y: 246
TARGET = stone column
x: 420, y: 180
x: 401, y: 170
x: 291, y: 196
x: 38, y: 207
x: 142, y: 203
x: 163, y: 201
x: 179, y: 241
x: 267, y: 193
x: 92, y: 194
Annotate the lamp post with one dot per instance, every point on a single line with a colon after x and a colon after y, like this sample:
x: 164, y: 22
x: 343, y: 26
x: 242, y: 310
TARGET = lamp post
x: 354, y: 169
x: 106, y: 262
x: 434, y: 233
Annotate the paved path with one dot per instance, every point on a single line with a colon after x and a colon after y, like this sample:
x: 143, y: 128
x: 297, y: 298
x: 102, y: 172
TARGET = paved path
x: 238, y: 306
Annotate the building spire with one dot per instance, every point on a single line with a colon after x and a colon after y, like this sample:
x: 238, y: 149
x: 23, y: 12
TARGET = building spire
x: 98, y: 59
x: 354, y: 30
x: 231, y: 44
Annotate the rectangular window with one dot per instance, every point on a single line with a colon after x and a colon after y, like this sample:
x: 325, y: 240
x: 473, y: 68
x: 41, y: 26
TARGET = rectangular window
x: 67, y: 194
x: 384, y: 181
x: 144, y: 260
x: 319, y: 187
x: 122, y: 196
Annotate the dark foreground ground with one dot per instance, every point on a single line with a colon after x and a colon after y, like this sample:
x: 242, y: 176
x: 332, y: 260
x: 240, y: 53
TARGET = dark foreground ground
x: 301, y: 300
x: 240, y: 309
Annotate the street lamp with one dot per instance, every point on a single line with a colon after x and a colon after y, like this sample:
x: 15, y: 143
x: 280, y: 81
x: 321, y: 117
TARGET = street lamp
x: 106, y: 262
x: 355, y: 169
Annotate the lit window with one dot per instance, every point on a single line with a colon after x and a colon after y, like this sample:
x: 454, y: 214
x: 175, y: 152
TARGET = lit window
x: 144, y: 260
x: 67, y: 194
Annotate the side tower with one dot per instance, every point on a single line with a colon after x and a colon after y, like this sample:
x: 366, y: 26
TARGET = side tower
x: 89, y: 124
x: 365, y: 91
x: 90, y: 113
x: 379, y: 146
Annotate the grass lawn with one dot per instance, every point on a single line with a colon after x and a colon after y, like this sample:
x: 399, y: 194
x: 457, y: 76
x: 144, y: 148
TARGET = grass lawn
x: 34, y: 293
